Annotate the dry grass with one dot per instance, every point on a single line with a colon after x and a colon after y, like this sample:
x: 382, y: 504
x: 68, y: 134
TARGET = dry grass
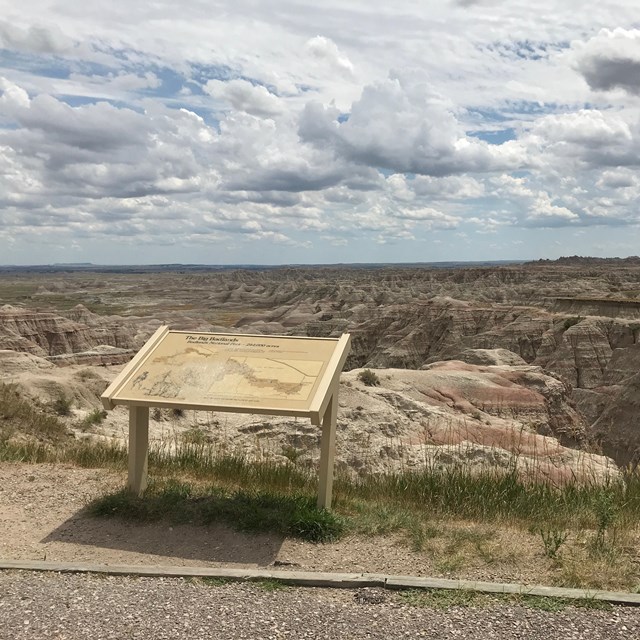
x: 20, y: 416
x: 465, y: 523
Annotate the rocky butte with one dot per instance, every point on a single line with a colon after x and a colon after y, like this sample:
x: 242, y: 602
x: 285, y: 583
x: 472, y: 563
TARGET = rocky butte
x: 529, y: 364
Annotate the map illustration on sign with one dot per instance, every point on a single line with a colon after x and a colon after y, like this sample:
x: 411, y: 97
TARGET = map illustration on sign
x: 231, y: 370
x: 208, y: 374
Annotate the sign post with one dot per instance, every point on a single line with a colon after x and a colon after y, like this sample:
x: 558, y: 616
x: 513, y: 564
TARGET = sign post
x: 272, y: 375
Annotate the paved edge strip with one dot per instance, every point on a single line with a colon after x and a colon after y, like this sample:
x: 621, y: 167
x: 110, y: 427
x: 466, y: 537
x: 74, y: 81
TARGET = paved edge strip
x: 321, y: 579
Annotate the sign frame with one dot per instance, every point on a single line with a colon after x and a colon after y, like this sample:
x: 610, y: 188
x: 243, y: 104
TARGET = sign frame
x: 321, y: 407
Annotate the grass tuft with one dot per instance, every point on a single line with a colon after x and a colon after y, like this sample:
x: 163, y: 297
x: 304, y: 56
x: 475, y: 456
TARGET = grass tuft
x: 93, y: 418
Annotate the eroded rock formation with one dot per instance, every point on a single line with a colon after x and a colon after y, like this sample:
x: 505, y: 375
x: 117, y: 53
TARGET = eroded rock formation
x: 575, y: 319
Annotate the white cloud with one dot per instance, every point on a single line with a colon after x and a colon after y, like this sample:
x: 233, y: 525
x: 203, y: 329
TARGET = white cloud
x: 617, y: 179
x: 432, y: 217
x: 401, y: 125
x: 12, y: 97
x: 325, y: 49
x: 244, y: 96
x: 543, y: 210
x: 611, y: 60
x: 449, y: 187
x: 117, y: 82
x: 36, y: 38
x: 586, y: 127
x: 508, y: 186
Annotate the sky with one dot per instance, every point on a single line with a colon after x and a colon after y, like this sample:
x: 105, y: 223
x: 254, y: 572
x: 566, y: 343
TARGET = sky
x: 288, y: 132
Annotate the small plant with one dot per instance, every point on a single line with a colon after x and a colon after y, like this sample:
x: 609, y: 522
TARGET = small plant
x: 62, y: 405
x: 271, y: 584
x: 156, y: 414
x: 418, y: 534
x: 291, y: 453
x: 177, y: 412
x: 606, y: 512
x: 94, y: 417
x: 369, y: 378
x: 552, y: 540
x: 22, y: 415
x: 445, y: 598
x: 195, y: 435
x: 569, y: 322
x: 213, y: 581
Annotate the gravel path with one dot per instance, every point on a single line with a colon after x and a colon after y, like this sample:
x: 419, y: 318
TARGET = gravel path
x: 63, y: 606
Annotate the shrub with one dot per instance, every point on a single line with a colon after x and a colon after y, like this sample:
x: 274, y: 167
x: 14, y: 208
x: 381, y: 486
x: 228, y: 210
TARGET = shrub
x: 62, y: 405
x: 369, y: 378
x: 95, y: 417
x: 552, y: 540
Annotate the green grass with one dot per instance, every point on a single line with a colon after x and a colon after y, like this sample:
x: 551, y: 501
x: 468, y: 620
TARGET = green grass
x: 249, y: 511
x: 93, y: 418
x: 212, y: 581
x: 271, y: 584
x: 376, y: 504
x: 446, y: 598
x: 491, y: 496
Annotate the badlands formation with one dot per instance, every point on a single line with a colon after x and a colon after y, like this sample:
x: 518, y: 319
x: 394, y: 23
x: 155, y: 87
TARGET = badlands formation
x: 534, y: 365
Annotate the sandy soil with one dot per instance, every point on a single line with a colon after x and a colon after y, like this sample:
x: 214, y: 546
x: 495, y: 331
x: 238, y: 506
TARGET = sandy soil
x: 42, y: 517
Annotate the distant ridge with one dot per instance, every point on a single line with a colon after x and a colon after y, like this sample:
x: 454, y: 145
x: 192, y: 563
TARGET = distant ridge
x: 154, y: 268
x: 579, y: 261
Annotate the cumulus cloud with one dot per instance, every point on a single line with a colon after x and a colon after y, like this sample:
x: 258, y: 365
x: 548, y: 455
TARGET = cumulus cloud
x: 36, y: 39
x: 449, y: 187
x: 401, y: 125
x: 244, y: 96
x: 432, y: 217
x: 327, y: 50
x: 12, y: 97
x: 587, y: 127
x: 587, y: 137
x: 543, y: 211
x: 617, y: 179
x: 611, y: 60
x: 100, y: 150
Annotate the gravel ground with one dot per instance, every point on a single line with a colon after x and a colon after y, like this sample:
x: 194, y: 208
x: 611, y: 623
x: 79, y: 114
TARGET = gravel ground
x: 65, y: 606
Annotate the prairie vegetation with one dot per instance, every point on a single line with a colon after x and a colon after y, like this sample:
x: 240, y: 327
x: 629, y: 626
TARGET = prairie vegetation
x: 580, y: 534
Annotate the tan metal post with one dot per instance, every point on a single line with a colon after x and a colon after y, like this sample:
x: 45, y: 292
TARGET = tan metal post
x: 327, y: 451
x: 138, y: 449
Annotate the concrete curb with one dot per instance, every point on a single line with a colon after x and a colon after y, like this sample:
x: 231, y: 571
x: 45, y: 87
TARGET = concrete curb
x: 320, y: 579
